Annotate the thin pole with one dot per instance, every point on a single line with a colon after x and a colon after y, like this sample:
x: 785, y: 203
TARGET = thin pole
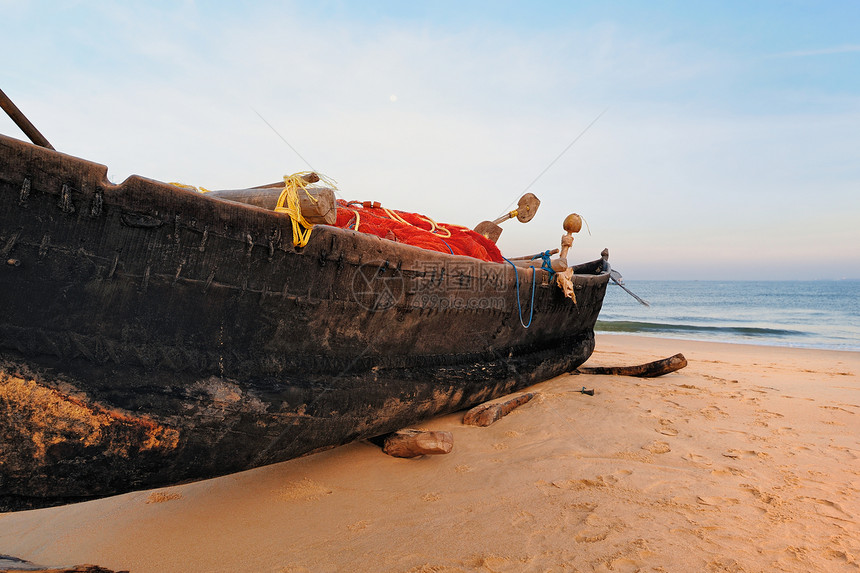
x: 22, y: 122
x: 569, y: 145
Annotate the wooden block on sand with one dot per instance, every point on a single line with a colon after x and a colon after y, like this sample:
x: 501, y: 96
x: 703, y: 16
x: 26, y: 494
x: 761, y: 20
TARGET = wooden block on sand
x: 414, y: 443
x: 487, y: 413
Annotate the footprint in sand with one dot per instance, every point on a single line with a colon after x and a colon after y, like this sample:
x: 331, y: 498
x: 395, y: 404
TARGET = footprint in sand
x: 304, y: 490
x: 657, y: 447
x: 786, y: 431
x: 728, y: 471
x: 767, y: 414
x: 585, y: 506
x: 712, y: 412
x: 716, y: 501
x: 698, y: 459
x: 836, y: 408
x: 487, y: 563
x: 523, y: 517
x: 597, y: 529
x: 583, y: 483
x: 853, y: 454
x: 761, y: 495
x: 633, y: 457
x: 358, y: 525
x: 738, y: 454
x: 829, y: 509
x: 590, y: 536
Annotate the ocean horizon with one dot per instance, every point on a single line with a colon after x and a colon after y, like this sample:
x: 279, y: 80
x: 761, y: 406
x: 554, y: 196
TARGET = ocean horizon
x: 823, y: 314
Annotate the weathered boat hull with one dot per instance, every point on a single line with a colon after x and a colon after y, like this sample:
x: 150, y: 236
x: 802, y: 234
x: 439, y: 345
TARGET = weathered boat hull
x: 151, y: 335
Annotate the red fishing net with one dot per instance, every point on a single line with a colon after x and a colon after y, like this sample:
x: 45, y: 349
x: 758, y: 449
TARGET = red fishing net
x: 414, y: 229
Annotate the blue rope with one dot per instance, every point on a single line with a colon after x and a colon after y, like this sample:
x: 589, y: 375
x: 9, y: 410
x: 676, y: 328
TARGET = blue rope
x: 447, y: 245
x: 547, y: 263
x: 519, y: 306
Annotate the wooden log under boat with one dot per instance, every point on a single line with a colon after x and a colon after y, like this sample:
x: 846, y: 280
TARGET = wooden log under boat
x: 151, y: 334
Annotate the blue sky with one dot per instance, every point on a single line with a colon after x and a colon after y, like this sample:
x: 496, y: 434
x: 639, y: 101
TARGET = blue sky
x: 729, y: 147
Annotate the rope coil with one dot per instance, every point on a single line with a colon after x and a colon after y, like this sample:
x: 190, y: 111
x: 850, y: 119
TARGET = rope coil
x: 547, y: 262
x: 288, y: 203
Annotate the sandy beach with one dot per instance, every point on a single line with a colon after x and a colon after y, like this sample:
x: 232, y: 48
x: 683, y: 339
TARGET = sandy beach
x: 746, y: 460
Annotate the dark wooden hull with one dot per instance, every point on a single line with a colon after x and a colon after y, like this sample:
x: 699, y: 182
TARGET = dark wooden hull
x: 151, y: 335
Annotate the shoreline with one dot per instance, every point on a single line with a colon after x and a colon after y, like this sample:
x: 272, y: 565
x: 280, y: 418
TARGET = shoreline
x: 748, y: 459
x: 765, y: 343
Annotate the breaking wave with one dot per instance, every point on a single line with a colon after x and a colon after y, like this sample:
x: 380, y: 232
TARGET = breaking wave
x: 656, y: 328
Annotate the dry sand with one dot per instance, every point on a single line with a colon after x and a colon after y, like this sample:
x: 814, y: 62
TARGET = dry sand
x: 747, y: 460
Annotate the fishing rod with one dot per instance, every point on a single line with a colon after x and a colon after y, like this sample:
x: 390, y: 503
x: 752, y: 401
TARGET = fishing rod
x: 284, y: 140
x: 559, y: 156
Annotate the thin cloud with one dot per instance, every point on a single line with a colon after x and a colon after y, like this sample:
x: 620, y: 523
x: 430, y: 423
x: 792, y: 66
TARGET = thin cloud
x: 851, y: 48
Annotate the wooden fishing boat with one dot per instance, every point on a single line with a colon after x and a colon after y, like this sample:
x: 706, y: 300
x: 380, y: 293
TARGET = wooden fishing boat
x: 151, y: 334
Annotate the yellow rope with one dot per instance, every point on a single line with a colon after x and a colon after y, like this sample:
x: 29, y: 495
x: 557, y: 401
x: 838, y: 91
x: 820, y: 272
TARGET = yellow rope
x: 189, y: 187
x: 357, y: 218
x: 434, y: 226
x: 392, y: 215
x: 288, y: 203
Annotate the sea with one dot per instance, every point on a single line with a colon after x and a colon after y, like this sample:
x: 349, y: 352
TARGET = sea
x: 803, y: 314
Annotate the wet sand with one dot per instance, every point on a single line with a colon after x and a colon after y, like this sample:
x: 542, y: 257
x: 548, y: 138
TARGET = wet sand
x: 746, y: 460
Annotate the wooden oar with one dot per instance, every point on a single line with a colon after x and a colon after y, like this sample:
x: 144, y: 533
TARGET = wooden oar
x: 627, y: 290
x: 22, y: 122
x: 616, y: 277
x: 526, y: 209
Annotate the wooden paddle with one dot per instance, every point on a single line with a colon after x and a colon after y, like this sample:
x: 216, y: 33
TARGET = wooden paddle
x: 22, y: 122
x: 527, y: 206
